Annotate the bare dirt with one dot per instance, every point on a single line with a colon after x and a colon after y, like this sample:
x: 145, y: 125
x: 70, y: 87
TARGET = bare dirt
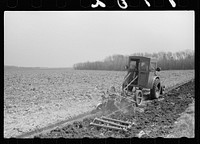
x: 34, y: 99
x: 167, y: 116
x: 184, y: 126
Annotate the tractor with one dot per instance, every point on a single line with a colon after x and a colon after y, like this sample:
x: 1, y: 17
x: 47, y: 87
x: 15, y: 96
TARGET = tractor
x: 141, y: 80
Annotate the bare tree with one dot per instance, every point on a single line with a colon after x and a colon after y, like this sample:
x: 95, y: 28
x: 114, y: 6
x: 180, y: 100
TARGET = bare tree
x: 167, y: 61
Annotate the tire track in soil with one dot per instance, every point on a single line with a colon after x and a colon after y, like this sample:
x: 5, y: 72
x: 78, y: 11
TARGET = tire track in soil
x: 156, y: 120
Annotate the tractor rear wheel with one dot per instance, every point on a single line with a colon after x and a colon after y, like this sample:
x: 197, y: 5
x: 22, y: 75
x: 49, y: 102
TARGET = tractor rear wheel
x: 155, y: 91
x: 138, y: 97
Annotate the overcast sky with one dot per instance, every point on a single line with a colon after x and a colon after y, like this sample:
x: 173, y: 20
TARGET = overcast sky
x: 61, y: 39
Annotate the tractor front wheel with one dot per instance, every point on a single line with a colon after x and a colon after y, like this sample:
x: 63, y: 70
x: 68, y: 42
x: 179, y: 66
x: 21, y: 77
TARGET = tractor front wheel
x: 138, y: 97
x: 155, y: 91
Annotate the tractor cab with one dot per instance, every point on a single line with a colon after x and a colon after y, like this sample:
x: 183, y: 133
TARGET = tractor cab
x: 141, y: 72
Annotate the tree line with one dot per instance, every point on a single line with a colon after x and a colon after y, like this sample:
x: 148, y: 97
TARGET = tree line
x: 182, y: 60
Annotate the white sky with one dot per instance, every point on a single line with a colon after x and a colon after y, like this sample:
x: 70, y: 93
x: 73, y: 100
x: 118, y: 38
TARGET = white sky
x: 61, y: 39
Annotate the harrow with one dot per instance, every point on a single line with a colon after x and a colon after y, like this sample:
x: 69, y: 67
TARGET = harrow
x: 112, y: 123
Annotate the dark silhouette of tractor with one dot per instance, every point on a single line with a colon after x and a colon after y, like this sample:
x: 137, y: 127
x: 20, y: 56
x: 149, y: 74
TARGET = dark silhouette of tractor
x: 142, y: 76
x: 141, y: 79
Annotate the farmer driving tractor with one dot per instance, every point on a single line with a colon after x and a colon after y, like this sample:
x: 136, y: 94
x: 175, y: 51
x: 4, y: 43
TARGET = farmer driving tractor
x: 132, y: 73
x: 133, y: 69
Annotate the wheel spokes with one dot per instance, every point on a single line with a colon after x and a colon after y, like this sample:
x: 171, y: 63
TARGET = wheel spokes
x: 139, y: 98
x: 157, y: 91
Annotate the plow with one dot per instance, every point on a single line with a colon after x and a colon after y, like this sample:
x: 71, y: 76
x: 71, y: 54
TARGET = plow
x: 141, y: 82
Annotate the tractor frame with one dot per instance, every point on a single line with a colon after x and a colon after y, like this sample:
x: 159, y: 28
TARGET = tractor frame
x: 142, y: 77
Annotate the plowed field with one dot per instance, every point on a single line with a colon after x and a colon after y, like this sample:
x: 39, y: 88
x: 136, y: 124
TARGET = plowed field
x: 37, y: 98
x: 168, y: 117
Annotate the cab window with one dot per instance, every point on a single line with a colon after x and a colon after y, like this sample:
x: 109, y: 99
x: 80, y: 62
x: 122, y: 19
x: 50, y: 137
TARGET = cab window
x: 144, y: 66
x: 132, y: 65
x: 152, y: 66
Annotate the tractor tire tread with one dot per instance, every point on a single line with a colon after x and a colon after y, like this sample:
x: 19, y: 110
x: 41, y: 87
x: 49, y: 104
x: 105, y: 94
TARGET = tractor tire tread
x: 153, y: 90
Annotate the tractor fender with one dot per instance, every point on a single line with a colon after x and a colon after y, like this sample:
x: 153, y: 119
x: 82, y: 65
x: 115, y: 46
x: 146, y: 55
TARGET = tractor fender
x: 151, y: 81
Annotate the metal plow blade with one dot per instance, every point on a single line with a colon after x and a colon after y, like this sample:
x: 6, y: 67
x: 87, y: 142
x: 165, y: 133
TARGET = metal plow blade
x: 106, y: 107
x: 113, y: 102
x: 126, y: 106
